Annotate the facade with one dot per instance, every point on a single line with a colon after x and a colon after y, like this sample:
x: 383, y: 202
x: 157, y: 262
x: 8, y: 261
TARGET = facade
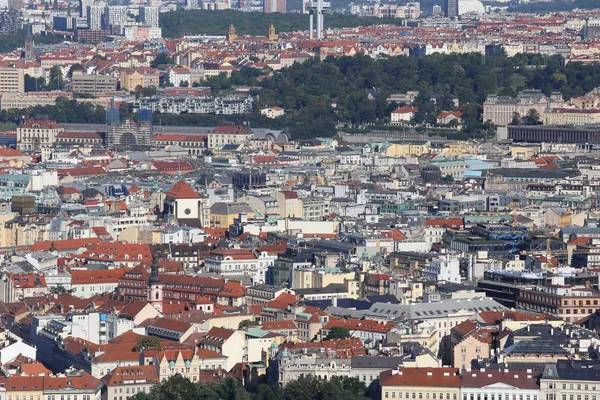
x: 12, y: 80
x: 568, y: 303
x: 133, y: 78
x: 37, y: 135
x: 432, y: 383
x: 240, y: 262
x: 19, y: 101
x: 96, y: 85
x: 501, y: 110
x: 126, y: 382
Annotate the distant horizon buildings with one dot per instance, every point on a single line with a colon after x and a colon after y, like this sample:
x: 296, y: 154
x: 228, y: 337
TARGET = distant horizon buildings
x: 451, y: 8
x: 271, y: 6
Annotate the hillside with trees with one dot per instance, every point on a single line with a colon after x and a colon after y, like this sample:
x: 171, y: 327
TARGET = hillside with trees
x: 198, y: 22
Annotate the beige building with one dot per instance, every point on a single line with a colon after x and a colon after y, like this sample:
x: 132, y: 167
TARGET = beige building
x: 228, y: 342
x: 96, y: 85
x: 36, y: 135
x: 566, y: 116
x: 170, y: 362
x: 407, y: 149
x: 289, y: 204
x: 12, y: 80
x: 16, y: 100
x: 470, y: 348
x: 272, y: 112
x: 143, y: 77
x: 319, y: 278
x: 222, y: 135
x: 314, y: 208
x: 500, y: 110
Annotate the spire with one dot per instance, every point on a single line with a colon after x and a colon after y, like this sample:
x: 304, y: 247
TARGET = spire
x: 154, y: 278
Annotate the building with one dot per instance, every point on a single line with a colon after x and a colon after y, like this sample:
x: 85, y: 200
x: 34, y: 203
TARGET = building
x: 184, y: 204
x: 498, y: 384
x: 126, y: 382
x: 16, y: 287
x: 232, y: 262
x: 115, y: 18
x: 501, y: 110
x: 37, y: 135
x: 424, y: 383
x: 95, y: 16
x: 271, y: 6
x: 12, y: 80
x: 149, y: 16
x: 566, y: 378
x: 227, y: 342
x: 451, y: 8
x: 222, y: 135
x: 403, y: 114
x: 96, y: 85
x: 132, y: 78
x: 19, y: 101
x: 570, y: 303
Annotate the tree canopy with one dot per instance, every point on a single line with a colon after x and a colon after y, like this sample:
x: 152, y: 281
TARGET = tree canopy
x: 148, y: 342
x: 305, y: 388
x: 212, y: 22
x: 337, y: 332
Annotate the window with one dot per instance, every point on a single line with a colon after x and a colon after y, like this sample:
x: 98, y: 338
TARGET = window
x: 387, y: 395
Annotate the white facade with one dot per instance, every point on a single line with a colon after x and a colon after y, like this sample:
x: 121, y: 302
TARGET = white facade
x: 181, y: 235
x: 255, y: 267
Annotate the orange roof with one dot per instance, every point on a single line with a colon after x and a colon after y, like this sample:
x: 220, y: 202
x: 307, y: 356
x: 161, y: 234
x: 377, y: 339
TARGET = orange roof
x: 62, y: 245
x: 182, y: 190
x: 233, y: 289
x: 96, y: 276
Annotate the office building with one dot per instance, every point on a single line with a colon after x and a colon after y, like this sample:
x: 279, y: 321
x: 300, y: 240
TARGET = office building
x: 97, y: 85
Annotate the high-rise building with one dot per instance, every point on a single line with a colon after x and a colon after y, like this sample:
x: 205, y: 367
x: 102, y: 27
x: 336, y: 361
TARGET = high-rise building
x: 83, y: 7
x: 451, y: 8
x: 271, y: 6
x: 94, y: 17
x: 115, y: 17
x: 149, y: 16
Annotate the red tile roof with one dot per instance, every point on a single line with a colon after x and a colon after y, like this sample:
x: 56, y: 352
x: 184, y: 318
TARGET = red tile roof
x: 416, y: 377
x: 182, y: 190
x: 96, y: 276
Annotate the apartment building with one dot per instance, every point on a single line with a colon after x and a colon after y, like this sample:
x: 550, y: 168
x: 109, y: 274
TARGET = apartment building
x: 125, y: 382
x: 132, y: 78
x: 567, y: 303
x: 570, y: 379
x: 12, y: 80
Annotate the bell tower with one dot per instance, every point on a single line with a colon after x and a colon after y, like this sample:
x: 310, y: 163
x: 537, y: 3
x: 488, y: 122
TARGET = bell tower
x: 155, y: 288
x: 231, y: 35
x: 273, y: 38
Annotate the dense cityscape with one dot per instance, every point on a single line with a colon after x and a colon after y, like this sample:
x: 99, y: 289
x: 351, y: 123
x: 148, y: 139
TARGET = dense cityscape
x: 312, y: 200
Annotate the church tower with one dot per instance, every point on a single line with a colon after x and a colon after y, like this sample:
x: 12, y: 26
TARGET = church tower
x: 155, y: 288
x: 231, y: 35
x: 273, y: 38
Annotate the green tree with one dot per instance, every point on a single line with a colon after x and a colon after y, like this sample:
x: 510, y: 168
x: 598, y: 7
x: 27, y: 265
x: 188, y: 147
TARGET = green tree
x: 56, y: 80
x: 74, y: 67
x: 161, y: 59
x: 184, y: 84
x: 338, y: 332
x: 60, y: 289
x: 34, y: 84
x: 148, y: 342
x: 516, y: 119
x: 532, y: 117
x: 247, y: 323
